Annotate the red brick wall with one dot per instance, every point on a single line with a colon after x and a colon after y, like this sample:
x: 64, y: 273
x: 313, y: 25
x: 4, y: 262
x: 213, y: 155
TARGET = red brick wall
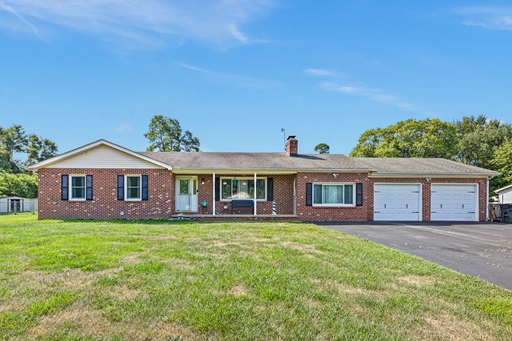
x: 161, y: 200
x: 312, y: 213
x: 160, y: 203
x: 283, y: 195
x: 365, y: 212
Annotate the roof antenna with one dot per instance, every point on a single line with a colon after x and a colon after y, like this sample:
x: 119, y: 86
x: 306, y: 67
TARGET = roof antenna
x: 284, y: 137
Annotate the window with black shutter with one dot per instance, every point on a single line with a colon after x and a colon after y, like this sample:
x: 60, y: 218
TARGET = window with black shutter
x: 359, y: 194
x: 309, y: 194
x: 144, y: 187
x: 217, y: 189
x: 88, y: 187
x: 270, y: 189
x: 120, y: 187
x: 64, y: 186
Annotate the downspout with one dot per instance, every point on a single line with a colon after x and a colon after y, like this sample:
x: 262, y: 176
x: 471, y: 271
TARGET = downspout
x: 255, y: 194
x: 487, y: 200
x: 213, y: 197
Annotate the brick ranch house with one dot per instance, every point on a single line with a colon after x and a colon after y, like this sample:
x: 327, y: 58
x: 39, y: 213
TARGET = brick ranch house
x: 103, y: 180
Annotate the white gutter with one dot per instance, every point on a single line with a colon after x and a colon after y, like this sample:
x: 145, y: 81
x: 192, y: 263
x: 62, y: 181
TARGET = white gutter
x: 255, y: 194
x: 487, y: 200
x: 213, y: 197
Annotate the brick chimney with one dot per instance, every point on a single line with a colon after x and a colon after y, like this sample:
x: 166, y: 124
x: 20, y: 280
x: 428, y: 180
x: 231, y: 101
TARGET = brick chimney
x: 292, y: 146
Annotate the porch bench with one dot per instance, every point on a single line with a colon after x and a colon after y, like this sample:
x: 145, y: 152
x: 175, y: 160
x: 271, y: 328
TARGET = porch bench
x: 242, y: 203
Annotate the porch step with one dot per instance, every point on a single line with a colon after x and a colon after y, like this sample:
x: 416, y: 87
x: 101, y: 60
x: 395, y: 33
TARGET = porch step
x: 181, y: 216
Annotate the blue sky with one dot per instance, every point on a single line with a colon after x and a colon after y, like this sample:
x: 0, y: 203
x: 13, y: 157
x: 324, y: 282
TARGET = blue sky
x: 236, y: 72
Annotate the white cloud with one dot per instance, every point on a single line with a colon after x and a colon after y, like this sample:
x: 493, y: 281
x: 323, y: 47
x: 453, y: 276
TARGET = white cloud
x: 124, y: 128
x: 376, y: 95
x: 142, y: 23
x: 489, y: 17
x: 319, y: 72
x: 235, y: 80
x: 9, y: 9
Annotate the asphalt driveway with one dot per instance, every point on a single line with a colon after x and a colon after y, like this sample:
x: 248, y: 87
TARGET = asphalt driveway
x: 482, y: 250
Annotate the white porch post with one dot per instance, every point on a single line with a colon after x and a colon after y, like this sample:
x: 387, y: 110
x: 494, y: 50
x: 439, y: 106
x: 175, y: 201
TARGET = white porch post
x: 255, y: 194
x: 213, y: 197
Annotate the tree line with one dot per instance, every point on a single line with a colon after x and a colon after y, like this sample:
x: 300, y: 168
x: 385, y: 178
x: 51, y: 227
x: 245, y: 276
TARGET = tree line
x: 477, y: 141
x: 15, y: 179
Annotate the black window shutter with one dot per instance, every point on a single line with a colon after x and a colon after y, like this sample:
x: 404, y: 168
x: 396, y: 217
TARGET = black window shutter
x: 270, y: 189
x: 144, y: 187
x: 120, y: 187
x: 359, y: 194
x: 309, y: 194
x: 88, y: 187
x: 64, y: 187
x: 217, y: 189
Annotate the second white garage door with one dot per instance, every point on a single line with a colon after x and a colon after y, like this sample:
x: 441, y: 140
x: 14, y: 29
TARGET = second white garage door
x: 454, y: 202
x: 397, y: 202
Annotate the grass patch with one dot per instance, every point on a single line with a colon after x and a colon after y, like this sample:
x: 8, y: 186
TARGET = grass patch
x: 117, y: 280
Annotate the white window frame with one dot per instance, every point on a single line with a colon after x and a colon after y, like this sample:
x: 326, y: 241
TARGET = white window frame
x: 126, y: 176
x: 241, y: 179
x: 353, y: 184
x: 70, y: 187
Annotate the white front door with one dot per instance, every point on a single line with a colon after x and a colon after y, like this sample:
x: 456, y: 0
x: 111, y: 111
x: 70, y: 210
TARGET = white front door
x: 454, y: 202
x: 186, y: 194
x: 396, y: 202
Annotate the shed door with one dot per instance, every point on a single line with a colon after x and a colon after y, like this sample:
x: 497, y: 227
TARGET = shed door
x: 397, y: 202
x: 454, y: 202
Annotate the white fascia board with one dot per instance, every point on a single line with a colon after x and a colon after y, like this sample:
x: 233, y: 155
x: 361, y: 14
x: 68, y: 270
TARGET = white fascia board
x: 504, y: 189
x: 428, y: 175
x: 92, y: 145
x: 177, y: 170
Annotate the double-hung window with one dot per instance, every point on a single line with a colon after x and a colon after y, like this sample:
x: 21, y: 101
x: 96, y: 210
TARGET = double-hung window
x: 133, y: 187
x: 333, y: 194
x: 233, y: 188
x: 77, y: 188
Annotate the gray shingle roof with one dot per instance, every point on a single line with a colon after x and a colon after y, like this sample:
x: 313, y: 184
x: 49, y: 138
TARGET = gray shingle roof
x: 311, y: 162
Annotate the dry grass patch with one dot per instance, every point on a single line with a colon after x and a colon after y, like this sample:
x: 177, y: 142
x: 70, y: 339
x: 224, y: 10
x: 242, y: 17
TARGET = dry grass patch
x: 417, y: 280
x: 302, y: 247
x: 238, y: 290
x: 92, y: 323
x: 447, y: 327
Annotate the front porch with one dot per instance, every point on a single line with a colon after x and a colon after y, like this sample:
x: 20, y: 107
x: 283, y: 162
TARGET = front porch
x: 235, y: 196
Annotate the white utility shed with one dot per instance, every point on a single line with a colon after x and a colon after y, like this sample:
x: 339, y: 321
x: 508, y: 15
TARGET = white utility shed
x: 504, y: 195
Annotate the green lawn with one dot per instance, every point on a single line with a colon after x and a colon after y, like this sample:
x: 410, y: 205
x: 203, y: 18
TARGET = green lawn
x: 84, y: 280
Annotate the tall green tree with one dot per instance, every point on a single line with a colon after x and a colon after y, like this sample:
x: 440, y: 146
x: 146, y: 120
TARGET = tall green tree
x: 39, y: 149
x: 322, y: 148
x: 410, y: 138
x: 5, y: 165
x: 503, y: 163
x: 165, y: 135
x: 480, y: 137
x: 13, y: 140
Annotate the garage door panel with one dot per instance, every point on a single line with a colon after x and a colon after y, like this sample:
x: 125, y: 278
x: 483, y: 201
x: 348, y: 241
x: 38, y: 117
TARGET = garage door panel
x: 453, y: 202
x: 397, y: 202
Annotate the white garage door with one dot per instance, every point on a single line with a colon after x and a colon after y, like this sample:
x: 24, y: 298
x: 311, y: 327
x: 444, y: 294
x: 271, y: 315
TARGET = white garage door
x: 454, y: 203
x: 393, y: 202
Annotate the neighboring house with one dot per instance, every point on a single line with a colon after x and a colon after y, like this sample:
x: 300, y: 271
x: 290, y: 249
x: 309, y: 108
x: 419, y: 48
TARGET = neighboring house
x: 17, y: 204
x: 102, y: 180
x: 504, y: 195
